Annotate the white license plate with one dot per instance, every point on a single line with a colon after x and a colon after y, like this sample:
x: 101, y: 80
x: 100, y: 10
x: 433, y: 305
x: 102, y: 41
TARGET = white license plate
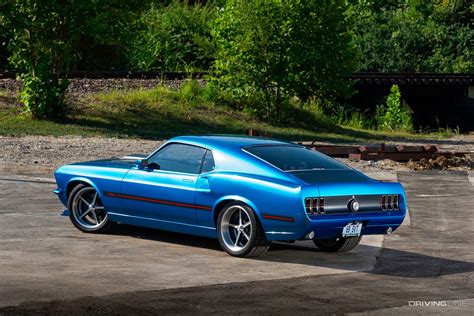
x: 352, y: 229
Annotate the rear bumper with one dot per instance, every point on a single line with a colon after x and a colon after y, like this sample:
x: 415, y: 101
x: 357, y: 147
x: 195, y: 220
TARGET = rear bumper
x: 373, y: 224
x: 331, y: 226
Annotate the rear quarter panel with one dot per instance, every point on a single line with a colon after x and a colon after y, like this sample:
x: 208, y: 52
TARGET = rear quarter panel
x: 270, y: 198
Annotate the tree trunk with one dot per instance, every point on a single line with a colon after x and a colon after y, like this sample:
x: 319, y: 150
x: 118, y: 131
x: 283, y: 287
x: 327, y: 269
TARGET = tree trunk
x: 278, y: 100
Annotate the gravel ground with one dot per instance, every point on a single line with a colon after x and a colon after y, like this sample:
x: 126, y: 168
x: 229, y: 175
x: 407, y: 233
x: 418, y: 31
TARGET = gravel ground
x: 79, y: 87
x: 43, y: 154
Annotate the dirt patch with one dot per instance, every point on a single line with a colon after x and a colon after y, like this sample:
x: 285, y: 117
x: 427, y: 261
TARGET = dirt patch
x: 43, y: 154
x: 441, y: 163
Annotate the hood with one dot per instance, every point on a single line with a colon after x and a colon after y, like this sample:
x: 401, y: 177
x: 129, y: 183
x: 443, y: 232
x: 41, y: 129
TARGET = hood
x: 114, y: 162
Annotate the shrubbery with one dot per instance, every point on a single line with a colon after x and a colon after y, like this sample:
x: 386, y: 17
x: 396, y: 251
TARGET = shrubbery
x: 418, y: 36
x: 393, y: 115
x: 175, y: 37
x: 265, y: 56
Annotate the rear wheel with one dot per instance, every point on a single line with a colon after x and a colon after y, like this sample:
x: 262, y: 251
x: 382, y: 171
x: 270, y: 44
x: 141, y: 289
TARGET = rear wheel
x: 239, y: 232
x: 86, y: 210
x: 339, y: 244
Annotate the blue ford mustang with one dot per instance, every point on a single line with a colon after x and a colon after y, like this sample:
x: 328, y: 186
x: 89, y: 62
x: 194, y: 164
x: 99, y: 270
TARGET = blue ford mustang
x: 244, y: 191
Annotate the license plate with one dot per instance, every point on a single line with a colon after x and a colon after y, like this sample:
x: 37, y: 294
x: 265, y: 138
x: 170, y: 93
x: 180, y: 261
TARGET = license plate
x: 352, y: 229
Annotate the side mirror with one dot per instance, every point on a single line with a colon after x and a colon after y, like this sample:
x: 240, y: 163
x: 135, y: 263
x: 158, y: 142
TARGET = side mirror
x: 154, y: 166
x: 144, y: 163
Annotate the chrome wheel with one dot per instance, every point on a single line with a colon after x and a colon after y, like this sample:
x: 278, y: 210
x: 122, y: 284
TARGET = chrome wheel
x: 236, y: 228
x: 87, y: 209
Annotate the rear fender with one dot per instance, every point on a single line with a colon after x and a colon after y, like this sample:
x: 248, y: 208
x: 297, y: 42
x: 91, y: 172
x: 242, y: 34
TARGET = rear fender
x: 240, y: 199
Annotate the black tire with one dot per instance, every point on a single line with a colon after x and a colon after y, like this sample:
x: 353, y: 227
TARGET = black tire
x: 81, y: 224
x: 256, y: 245
x: 340, y: 244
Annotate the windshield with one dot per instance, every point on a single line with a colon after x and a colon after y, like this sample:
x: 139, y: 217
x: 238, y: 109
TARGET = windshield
x: 289, y: 158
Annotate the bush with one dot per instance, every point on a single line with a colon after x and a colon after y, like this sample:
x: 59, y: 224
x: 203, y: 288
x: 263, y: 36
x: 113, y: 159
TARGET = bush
x: 175, y: 37
x: 394, y: 116
x: 42, y: 97
x: 190, y: 90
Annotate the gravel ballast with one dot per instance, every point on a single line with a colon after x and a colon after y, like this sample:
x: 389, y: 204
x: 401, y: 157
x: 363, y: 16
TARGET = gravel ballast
x: 44, y: 154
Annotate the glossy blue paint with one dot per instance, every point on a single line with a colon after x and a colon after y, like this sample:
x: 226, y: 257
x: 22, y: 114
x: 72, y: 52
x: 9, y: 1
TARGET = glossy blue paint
x: 189, y: 203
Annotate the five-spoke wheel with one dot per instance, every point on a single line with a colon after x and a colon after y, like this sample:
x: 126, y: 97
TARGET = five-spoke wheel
x: 86, y: 210
x: 239, y: 231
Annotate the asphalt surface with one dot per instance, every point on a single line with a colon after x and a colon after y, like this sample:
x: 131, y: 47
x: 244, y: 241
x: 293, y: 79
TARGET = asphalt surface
x: 48, y: 267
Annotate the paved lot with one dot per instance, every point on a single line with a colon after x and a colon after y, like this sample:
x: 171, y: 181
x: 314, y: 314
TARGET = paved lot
x: 47, y: 266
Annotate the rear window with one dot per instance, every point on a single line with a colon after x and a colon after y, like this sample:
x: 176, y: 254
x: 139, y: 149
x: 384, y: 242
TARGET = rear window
x: 289, y: 158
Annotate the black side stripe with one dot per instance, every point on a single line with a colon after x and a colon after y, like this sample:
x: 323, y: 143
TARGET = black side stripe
x: 158, y: 201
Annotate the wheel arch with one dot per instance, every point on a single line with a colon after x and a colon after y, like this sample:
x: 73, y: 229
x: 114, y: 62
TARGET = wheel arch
x: 223, y: 201
x: 73, y: 182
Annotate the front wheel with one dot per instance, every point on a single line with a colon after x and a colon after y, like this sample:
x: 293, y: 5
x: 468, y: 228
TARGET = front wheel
x: 339, y: 244
x: 239, y: 232
x: 86, y: 210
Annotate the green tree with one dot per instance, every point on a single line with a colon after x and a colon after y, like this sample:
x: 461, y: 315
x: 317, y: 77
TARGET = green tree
x: 44, y: 34
x: 174, y: 37
x: 413, y: 35
x: 108, y: 34
x: 270, y: 49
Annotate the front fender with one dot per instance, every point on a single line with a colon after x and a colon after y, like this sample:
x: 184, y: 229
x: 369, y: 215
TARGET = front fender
x: 85, y: 180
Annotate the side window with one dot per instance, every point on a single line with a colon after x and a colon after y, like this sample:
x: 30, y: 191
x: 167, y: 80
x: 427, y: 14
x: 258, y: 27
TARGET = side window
x: 179, y: 158
x: 208, y: 162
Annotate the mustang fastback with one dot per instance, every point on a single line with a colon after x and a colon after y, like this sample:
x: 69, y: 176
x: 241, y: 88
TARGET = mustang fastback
x: 244, y: 191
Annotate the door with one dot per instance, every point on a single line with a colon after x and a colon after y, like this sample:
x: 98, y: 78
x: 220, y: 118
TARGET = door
x: 167, y: 193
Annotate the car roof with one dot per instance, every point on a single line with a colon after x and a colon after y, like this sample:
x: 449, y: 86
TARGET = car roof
x: 228, y: 141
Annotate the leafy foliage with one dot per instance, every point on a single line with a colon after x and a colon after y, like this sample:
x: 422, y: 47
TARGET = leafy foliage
x: 268, y: 50
x: 108, y: 29
x: 411, y: 35
x: 41, y: 98
x: 44, y: 34
x: 175, y: 37
x: 394, y: 116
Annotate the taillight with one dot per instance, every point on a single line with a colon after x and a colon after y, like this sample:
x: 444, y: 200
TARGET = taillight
x: 389, y: 202
x: 321, y: 206
x: 396, y: 207
x: 307, y: 205
x: 314, y: 205
x: 383, y: 202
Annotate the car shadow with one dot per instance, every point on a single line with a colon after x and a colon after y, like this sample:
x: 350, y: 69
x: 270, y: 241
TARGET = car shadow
x: 367, y: 258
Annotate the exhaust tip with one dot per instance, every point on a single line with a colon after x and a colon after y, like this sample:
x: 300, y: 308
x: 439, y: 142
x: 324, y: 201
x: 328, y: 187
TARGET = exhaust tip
x: 310, y: 235
x: 389, y: 231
